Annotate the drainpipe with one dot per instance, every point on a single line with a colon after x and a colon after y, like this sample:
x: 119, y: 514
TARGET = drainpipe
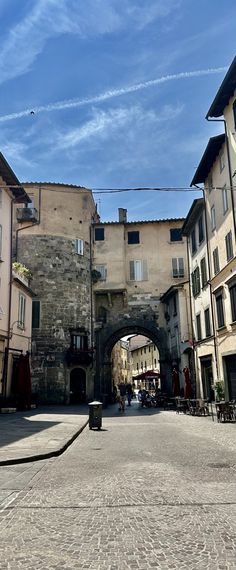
x: 229, y: 167
x: 191, y: 316
x: 6, y: 355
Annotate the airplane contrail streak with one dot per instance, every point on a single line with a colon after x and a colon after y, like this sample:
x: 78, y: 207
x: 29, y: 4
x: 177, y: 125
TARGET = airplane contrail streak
x: 110, y: 94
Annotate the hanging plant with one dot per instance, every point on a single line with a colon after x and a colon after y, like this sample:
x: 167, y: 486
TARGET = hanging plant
x: 21, y: 270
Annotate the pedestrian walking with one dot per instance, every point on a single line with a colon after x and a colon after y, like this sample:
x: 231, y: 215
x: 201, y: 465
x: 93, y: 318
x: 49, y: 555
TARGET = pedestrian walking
x: 122, y: 388
x: 129, y: 394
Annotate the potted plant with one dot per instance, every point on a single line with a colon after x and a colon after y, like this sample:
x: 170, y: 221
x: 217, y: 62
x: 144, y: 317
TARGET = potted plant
x: 22, y: 270
x: 219, y: 390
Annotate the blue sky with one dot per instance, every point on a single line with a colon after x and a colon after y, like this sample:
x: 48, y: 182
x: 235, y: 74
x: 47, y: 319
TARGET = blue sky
x: 88, y: 55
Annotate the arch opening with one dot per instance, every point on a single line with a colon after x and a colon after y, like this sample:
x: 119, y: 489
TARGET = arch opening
x: 108, y: 337
x: 78, y: 386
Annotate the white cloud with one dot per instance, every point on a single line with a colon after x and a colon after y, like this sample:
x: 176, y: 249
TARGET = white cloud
x: 16, y: 153
x: 105, y: 123
x: 86, y: 18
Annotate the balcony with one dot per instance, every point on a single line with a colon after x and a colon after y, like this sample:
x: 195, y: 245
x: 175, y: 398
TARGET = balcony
x: 79, y: 356
x: 26, y: 215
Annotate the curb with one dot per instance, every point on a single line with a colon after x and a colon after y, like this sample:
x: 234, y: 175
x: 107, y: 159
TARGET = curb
x: 47, y: 455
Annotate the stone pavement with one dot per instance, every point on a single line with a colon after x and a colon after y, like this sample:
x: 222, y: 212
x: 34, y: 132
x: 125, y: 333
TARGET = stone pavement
x: 150, y: 490
x: 39, y: 434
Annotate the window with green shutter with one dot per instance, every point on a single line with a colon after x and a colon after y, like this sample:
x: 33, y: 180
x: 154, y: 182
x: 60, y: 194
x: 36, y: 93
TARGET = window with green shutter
x: 35, y: 314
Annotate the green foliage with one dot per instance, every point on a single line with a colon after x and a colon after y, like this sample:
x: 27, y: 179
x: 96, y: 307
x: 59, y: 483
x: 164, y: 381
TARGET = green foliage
x: 219, y: 390
x: 96, y: 275
x: 21, y: 270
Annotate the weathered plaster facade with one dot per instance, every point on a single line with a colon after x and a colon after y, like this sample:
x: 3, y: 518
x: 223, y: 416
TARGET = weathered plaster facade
x: 57, y: 249
x: 136, y: 266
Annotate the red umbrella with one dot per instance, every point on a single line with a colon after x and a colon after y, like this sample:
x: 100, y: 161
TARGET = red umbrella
x: 147, y: 375
x: 188, y: 387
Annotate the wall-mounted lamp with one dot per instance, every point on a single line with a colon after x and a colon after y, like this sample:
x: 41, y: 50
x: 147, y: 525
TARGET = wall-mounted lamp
x: 20, y: 324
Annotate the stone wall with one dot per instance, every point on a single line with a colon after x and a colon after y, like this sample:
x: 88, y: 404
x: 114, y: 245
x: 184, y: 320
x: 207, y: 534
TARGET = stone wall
x: 61, y: 282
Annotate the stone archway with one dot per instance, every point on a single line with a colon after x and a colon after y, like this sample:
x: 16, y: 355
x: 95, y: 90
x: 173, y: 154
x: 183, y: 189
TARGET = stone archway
x: 107, y: 337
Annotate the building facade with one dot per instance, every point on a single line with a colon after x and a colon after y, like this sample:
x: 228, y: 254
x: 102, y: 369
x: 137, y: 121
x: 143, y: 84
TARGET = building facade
x: 15, y: 293
x: 135, y: 263
x: 53, y: 239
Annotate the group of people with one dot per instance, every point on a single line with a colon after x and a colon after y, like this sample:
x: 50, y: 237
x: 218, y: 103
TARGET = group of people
x: 124, y: 390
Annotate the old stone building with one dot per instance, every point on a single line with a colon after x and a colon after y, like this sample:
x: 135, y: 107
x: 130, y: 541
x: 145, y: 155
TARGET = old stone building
x: 53, y: 238
x: 136, y: 263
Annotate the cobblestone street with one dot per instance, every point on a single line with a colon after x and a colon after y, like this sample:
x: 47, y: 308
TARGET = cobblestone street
x: 152, y: 489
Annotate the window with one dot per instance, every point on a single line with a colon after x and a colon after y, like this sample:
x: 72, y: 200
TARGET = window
x: 137, y: 366
x: 216, y: 262
x: 145, y: 350
x: 99, y: 234
x: 133, y: 237
x: 210, y: 183
x: 225, y: 199
x: 222, y: 160
x: 193, y: 241
x: 155, y: 362
x: 145, y: 365
x: 196, y: 282
x: 213, y: 218
x: 35, y: 314
x: 0, y: 242
x: 149, y: 349
x: 229, y: 246
x: 199, y: 327
x: 138, y: 270
x: 220, y: 310
x: 21, y: 311
x: 102, y: 269
x: 232, y: 291
x: 79, y: 246
x: 177, y: 267
x: 0, y: 197
x: 31, y: 203
x: 207, y: 322
x: 79, y: 342
x: 200, y: 230
x: 234, y: 113
x: 203, y: 272
x: 176, y: 234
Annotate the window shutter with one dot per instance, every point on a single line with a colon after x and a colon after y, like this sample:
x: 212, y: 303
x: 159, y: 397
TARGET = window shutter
x: 174, y: 267
x: 181, y: 267
x: 131, y: 270
x: 144, y: 270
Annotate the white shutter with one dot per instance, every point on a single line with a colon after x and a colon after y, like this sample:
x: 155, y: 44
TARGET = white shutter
x: 79, y: 246
x: 144, y: 270
x: 131, y: 271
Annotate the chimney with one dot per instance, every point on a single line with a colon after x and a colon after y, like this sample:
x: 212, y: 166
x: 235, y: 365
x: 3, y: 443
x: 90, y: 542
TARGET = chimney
x: 122, y: 215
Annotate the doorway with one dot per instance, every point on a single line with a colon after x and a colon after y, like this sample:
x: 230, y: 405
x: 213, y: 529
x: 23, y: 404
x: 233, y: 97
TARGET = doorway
x: 77, y: 386
x: 207, y: 378
x: 230, y: 362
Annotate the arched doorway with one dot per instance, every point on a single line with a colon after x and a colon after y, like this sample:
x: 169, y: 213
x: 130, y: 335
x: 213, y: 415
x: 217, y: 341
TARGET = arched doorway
x: 110, y: 334
x: 77, y: 386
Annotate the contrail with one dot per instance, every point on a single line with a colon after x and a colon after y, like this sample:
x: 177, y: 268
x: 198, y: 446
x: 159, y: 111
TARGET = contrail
x: 110, y: 94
